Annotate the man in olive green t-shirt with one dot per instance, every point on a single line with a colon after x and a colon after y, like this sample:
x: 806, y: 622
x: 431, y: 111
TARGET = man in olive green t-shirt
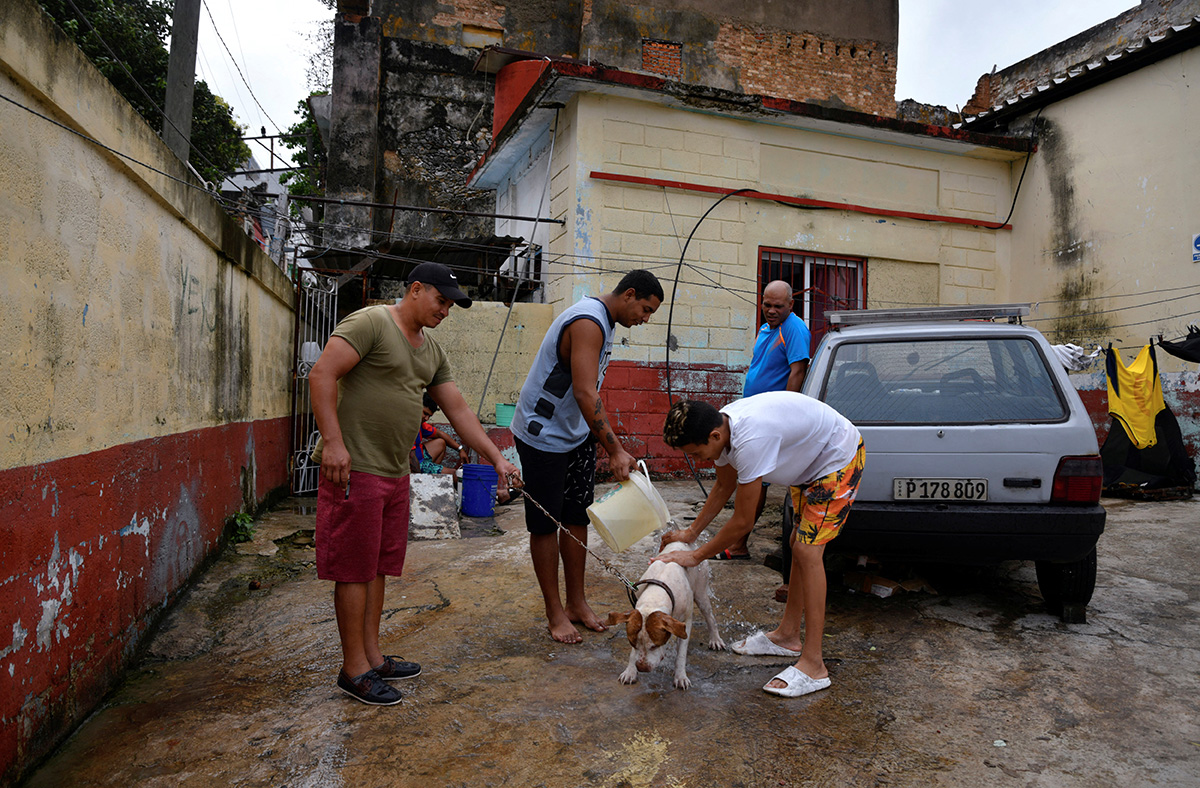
x: 367, y: 395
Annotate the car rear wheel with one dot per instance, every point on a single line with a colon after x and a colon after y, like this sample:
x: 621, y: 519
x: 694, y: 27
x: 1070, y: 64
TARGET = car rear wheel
x: 1067, y: 587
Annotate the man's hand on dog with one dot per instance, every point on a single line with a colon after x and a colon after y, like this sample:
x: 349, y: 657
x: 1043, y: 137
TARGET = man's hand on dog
x: 684, y: 535
x: 685, y: 558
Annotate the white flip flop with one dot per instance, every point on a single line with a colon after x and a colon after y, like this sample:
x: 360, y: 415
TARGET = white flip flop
x: 759, y: 645
x: 798, y: 683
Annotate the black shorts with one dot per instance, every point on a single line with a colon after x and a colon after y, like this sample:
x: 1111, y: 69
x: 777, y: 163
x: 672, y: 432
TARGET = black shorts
x: 564, y: 483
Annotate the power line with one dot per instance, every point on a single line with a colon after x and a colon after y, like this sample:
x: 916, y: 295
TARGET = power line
x: 236, y: 66
x: 100, y: 144
x: 138, y: 85
x: 649, y: 263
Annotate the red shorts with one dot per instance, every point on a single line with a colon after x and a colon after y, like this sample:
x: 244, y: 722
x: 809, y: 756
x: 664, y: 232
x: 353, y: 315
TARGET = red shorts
x: 365, y: 534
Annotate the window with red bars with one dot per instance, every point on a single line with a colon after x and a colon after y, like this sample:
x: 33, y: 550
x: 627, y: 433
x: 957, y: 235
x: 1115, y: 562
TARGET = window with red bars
x: 820, y: 283
x: 662, y: 57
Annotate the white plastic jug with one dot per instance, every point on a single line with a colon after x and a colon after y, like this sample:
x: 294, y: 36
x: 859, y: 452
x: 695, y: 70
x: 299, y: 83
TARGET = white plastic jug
x: 631, y: 510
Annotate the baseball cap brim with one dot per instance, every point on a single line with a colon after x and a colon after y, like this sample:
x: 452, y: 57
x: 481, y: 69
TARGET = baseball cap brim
x: 455, y: 295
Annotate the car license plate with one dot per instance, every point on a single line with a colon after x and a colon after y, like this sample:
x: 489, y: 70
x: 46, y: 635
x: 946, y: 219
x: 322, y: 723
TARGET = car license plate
x: 939, y: 489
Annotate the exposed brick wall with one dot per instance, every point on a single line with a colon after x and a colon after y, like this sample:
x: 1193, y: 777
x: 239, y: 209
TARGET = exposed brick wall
x: 480, y: 13
x: 854, y: 74
x: 663, y: 57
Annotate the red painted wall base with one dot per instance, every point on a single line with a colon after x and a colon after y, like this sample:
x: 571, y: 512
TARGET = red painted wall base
x: 635, y: 396
x: 93, y: 548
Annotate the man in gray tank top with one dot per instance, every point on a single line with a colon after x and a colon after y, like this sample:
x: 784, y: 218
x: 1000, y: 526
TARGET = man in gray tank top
x: 559, y: 419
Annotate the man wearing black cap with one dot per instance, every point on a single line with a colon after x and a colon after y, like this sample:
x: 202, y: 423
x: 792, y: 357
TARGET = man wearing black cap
x: 367, y: 395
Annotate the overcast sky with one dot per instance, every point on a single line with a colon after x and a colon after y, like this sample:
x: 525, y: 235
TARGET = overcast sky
x: 945, y: 45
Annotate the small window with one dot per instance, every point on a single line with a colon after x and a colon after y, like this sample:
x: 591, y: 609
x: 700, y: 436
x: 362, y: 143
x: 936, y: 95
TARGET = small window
x: 943, y: 381
x: 821, y: 284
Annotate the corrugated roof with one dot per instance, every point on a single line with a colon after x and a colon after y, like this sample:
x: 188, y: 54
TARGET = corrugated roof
x: 1082, y: 76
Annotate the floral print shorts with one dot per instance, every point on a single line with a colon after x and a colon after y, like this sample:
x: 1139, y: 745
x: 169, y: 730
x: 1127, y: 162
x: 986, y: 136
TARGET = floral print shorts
x: 821, y: 507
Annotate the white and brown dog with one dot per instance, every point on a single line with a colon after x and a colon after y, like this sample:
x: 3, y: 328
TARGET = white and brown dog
x: 664, y: 608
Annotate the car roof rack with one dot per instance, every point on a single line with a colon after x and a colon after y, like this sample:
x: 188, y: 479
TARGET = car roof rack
x: 859, y: 317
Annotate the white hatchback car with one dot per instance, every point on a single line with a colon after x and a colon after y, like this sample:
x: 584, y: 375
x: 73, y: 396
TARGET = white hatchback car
x: 978, y: 447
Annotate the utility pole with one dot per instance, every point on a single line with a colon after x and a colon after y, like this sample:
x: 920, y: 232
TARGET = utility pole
x: 181, y: 77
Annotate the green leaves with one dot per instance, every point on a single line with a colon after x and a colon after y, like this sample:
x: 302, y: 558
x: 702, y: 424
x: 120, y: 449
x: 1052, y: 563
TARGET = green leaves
x: 125, y: 39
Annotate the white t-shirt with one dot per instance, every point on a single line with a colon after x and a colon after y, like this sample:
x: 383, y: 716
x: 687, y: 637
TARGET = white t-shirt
x: 786, y: 438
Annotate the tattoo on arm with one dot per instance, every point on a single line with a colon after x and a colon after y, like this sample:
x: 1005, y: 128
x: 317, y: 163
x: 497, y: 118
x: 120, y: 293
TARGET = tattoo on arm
x: 601, y: 427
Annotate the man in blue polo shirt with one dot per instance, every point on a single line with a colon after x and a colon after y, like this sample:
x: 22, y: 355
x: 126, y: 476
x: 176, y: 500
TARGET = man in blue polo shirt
x: 779, y: 363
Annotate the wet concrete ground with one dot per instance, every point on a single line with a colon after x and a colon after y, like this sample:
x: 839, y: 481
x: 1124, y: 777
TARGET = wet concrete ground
x: 974, y: 685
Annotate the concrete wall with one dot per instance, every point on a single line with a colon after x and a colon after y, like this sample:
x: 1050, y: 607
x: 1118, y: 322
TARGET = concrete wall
x: 145, y: 377
x: 613, y: 227
x: 1105, y: 221
x: 470, y: 338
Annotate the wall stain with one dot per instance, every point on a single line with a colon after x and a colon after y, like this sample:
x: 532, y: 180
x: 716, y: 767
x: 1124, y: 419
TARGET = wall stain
x: 1072, y: 254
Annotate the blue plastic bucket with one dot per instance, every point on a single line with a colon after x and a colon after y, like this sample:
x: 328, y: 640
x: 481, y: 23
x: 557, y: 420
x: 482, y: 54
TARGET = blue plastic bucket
x: 479, y: 490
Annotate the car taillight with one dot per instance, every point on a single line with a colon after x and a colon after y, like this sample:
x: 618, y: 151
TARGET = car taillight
x: 1078, y: 480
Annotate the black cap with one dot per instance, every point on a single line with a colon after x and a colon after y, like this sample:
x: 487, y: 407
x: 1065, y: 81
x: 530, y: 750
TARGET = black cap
x: 440, y: 277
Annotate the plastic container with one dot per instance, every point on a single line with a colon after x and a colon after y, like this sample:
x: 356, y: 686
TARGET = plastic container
x: 479, y: 490
x: 504, y: 414
x: 628, y: 512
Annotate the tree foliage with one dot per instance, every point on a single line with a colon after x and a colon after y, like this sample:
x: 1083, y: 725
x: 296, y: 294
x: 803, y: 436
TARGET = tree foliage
x: 305, y: 140
x: 135, y: 31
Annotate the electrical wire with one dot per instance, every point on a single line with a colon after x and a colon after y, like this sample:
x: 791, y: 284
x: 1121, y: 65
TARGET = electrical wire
x: 162, y: 113
x: 671, y: 316
x: 236, y: 66
x: 1028, y: 154
x: 572, y: 258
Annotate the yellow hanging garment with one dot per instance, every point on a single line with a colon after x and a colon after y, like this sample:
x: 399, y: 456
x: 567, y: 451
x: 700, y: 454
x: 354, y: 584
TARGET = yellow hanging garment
x: 1135, y: 395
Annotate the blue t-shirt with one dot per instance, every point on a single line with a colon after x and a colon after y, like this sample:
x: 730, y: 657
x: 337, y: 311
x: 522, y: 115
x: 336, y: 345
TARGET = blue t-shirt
x: 775, y: 351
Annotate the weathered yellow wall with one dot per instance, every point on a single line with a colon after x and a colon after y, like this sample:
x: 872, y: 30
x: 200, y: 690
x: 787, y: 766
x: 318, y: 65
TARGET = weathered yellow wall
x: 1108, y: 209
x: 124, y: 316
x: 145, y: 375
x: 470, y: 338
x: 622, y: 226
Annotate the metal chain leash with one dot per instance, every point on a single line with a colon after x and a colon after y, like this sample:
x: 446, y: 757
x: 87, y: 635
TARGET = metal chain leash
x: 630, y: 587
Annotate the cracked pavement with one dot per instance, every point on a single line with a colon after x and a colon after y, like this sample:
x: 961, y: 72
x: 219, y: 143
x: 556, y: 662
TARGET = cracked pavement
x: 972, y: 685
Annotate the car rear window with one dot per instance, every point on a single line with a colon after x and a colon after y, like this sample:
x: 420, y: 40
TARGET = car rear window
x: 943, y: 381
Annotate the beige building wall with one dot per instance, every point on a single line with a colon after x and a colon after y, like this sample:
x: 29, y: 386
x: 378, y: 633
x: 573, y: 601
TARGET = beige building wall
x: 1106, y: 217
x: 616, y: 226
x: 471, y: 337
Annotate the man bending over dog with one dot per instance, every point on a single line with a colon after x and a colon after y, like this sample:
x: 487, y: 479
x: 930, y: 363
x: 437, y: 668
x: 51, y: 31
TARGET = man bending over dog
x: 779, y: 437
x: 558, y: 420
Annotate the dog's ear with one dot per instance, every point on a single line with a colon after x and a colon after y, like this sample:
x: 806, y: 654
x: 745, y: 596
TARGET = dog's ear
x: 672, y: 625
x: 618, y: 618
x: 660, y: 626
x: 633, y: 626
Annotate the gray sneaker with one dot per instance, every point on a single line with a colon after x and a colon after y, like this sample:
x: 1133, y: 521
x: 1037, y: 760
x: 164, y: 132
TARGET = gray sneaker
x: 369, y: 688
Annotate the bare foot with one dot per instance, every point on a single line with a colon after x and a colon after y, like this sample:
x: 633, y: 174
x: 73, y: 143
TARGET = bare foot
x: 582, y: 614
x: 812, y: 671
x: 563, y: 631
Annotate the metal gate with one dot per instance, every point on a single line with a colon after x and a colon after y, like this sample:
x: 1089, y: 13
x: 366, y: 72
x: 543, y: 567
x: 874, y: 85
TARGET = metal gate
x: 316, y: 317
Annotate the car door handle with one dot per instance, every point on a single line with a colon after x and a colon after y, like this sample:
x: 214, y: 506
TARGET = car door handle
x: 1013, y: 481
